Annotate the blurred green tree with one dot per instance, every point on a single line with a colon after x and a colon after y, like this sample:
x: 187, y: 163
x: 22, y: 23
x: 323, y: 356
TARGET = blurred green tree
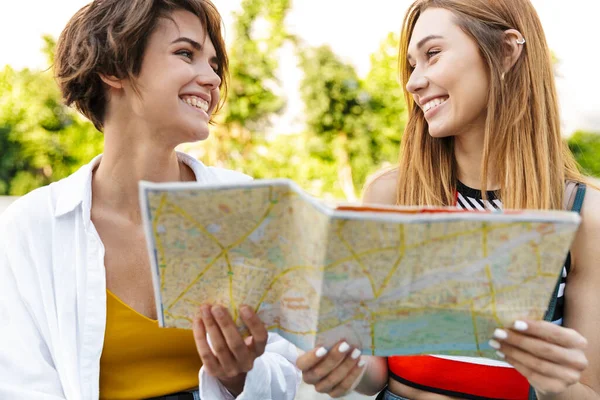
x: 335, y: 100
x: 41, y: 139
x: 356, y: 123
x: 586, y: 148
x: 252, y: 98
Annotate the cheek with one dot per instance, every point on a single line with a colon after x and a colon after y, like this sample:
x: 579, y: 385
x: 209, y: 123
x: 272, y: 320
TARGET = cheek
x: 470, y: 92
x: 480, y: 91
x: 215, y: 95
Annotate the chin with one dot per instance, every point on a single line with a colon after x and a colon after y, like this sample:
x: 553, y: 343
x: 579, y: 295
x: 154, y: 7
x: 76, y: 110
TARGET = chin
x: 197, y: 133
x: 199, y: 136
x: 190, y: 137
x: 439, y: 133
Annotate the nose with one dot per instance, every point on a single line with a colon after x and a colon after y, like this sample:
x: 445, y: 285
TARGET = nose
x: 416, y: 82
x: 207, y: 77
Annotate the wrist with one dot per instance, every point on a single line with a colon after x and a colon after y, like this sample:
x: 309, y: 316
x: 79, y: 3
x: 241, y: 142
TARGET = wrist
x: 234, y: 385
x: 375, y: 376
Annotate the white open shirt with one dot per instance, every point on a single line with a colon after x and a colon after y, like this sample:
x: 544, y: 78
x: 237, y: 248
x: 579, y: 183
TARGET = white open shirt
x: 53, y: 300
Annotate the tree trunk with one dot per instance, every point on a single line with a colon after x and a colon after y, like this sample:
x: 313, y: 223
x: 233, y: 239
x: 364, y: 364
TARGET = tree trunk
x: 345, y: 169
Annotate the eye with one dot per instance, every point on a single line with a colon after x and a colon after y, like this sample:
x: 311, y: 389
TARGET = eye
x: 432, y: 53
x: 185, y: 53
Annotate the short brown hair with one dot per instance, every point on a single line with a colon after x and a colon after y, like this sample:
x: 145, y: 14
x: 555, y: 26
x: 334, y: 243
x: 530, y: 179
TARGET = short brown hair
x: 109, y: 37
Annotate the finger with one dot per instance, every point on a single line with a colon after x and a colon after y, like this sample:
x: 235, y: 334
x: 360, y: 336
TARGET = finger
x: 256, y: 328
x: 540, y: 366
x: 542, y: 349
x: 351, y: 381
x: 329, y: 362
x: 311, y: 358
x: 549, y: 332
x: 235, y: 343
x: 540, y: 382
x: 219, y: 345
x: 210, y: 362
x: 336, y: 376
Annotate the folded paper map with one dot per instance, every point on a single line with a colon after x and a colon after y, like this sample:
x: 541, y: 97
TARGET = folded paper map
x: 389, y: 280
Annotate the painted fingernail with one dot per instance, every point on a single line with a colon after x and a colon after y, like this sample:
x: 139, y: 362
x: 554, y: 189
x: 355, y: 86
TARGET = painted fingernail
x: 355, y: 354
x: 245, y: 311
x: 500, y: 354
x: 344, y: 347
x: 493, y: 344
x: 321, y: 351
x: 520, y: 326
x: 361, y: 363
x: 500, y: 334
x: 217, y: 311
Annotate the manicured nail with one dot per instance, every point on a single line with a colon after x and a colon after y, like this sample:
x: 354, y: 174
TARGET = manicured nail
x: 217, y: 311
x: 321, y: 351
x: 493, y: 344
x: 500, y: 334
x: 361, y: 363
x: 520, y: 326
x: 344, y: 347
x: 355, y: 354
x: 206, y: 311
x: 500, y: 354
x: 245, y: 311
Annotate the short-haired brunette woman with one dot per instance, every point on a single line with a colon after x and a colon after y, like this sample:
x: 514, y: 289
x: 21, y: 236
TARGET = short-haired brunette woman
x: 77, y: 311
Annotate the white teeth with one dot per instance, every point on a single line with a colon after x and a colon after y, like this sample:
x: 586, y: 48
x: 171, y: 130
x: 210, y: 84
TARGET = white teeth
x: 433, y: 103
x: 196, y: 102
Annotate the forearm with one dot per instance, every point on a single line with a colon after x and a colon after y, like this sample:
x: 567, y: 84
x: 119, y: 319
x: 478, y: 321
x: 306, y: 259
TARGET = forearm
x: 375, y: 377
x: 578, y: 391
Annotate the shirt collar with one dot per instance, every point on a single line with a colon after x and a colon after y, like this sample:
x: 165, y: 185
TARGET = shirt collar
x: 77, y: 188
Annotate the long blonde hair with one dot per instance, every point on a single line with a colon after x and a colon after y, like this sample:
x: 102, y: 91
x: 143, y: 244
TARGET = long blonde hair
x: 522, y: 130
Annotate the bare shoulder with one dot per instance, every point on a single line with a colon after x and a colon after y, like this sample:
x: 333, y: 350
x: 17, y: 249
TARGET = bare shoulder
x: 585, y: 247
x: 590, y: 212
x: 381, y: 187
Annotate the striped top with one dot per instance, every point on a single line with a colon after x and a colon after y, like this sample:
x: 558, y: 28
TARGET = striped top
x: 469, y: 377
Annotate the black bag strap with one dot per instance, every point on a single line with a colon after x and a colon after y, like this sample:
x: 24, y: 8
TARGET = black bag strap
x: 577, y: 204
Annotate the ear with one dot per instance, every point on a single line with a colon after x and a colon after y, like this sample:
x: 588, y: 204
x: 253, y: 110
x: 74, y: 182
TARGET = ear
x: 513, y: 43
x: 112, y: 81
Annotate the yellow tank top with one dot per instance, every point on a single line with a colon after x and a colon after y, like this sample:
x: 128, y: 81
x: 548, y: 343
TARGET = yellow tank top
x: 140, y: 360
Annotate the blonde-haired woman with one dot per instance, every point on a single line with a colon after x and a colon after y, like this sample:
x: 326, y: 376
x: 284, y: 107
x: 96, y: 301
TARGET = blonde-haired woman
x: 484, y: 131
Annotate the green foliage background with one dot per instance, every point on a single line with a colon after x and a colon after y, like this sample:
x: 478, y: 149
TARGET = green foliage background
x: 353, y: 124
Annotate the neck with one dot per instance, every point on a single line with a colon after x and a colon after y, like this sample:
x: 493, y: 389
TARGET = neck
x: 468, y: 152
x: 124, y: 164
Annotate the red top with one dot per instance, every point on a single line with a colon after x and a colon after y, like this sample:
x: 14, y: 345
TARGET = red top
x: 485, y: 379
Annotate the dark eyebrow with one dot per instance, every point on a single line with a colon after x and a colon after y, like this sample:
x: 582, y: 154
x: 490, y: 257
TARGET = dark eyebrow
x: 197, y: 46
x: 194, y: 44
x: 425, y: 40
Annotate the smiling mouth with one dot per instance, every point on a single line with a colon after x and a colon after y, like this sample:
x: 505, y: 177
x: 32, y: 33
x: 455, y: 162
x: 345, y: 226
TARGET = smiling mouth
x: 196, y: 102
x: 430, y: 105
